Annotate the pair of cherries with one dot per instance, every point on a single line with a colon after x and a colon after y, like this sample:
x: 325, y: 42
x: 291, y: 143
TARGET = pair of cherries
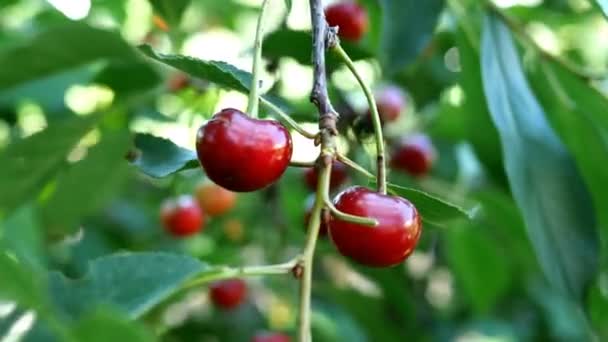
x: 245, y: 154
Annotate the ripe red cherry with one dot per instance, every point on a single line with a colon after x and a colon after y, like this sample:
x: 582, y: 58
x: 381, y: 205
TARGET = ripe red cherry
x: 308, y: 211
x: 386, y: 244
x: 390, y: 102
x: 228, y: 294
x: 414, y: 154
x: 270, y: 337
x: 350, y: 18
x: 339, y: 174
x: 243, y: 154
x: 182, y: 217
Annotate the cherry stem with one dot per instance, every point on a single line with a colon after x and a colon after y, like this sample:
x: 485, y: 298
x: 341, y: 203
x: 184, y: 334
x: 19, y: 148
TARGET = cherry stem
x: 226, y: 272
x: 381, y: 164
x: 287, y: 119
x: 254, y: 92
x: 342, y: 216
x: 352, y: 164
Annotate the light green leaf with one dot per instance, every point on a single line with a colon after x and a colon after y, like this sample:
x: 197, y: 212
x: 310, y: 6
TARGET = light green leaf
x: 105, y: 325
x: 131, y: 282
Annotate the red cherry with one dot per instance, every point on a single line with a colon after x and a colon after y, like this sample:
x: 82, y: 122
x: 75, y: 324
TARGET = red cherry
x: 308, y: 211
x: 182, y: 216
x: 414, y: 154
x: 243, y: 154
x: 339, y: 174
x: 350, y: 18
x: 390, y: 102
x: 386, y: 244
x: 228, y: 294
x: 270, y: 337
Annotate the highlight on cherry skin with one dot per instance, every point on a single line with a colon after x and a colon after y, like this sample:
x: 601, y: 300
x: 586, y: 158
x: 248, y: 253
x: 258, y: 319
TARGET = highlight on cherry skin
x: 387, y: 244
x: 243, y: 154
x: 350, y: 18
x: 181, y: 216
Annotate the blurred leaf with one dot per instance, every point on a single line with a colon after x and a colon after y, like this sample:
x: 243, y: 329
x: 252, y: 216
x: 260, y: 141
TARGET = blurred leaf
x: 132, y: 282
x: 160, y: 157
x: 433, y: 209
x: 298, y: 45
x: 20, y: 284
x: 21, y: 234
x: 603, y: 5
x: 87, y: 185
x: 170, y: 10
x: 104, y: 326
x: 141, y: 77
x: 408, y: 26
x: 578, y: 114
x: 546, y: 186
x: 29, y: 163
x: 475, y: 259
x: 64, y: 47
x: 220, y: 73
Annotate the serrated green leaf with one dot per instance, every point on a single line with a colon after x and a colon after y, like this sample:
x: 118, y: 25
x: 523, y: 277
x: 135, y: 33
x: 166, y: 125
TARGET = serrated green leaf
x: 131, y: 282
x: 547, y: 188
x: 220, y: 73
x: 408, y: 26
x: 87, y: 185
x: 159, y: 157
x: 60, y: 48
x: 433, y: 209
x: 29, y: 163
x: 105, y: 325
x: 170, y: 10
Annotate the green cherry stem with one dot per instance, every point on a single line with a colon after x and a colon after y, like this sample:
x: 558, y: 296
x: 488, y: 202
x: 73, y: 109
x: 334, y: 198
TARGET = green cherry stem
x: 303, y: 164
x: 287, y: 119
x: 352, y: 164
x: 381, y: 168
x: 254, y: 92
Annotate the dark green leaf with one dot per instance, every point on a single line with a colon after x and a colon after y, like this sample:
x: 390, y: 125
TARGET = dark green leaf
x: 408, y: 26
x: 104, y: 326
x: 170, y: 10
x: 141, y: 77
x: 87, y: 185
x: 578, y: 114
x: 29, y: 163
x: 475, y: 260
x: 159, y: 157
x: 434, y: 210
x: 132, y: 282
x: 220, y: 73
x: 546, y: 186
x: 603, y: 5
x: 63, y: 47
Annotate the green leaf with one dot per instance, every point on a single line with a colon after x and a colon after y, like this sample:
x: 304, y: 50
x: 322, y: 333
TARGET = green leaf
x: 603, y: 5
x: 19, y: 283
x: 170, y: 10
x: 220, y: 73
x: 60, y: 48
x: 131, y: 282
x: 298, y: 45
x: 547, y: 188
x: 159, y: 157
x: 21, y: 234
x: 578, y: 114
x: 104, y: 326
x: 141, y: 77
x: 29, y: 163
x: 474, y: 258
x: 408, y: 26
x: 433, y: 209
x: 87, y: 185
